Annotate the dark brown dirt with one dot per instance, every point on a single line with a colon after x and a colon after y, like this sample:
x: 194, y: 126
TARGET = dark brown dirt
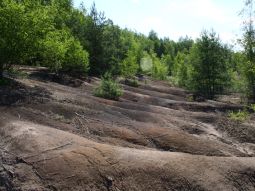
x: 55, y: 135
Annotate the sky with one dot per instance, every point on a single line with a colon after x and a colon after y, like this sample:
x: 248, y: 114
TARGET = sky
x: 174, y: 18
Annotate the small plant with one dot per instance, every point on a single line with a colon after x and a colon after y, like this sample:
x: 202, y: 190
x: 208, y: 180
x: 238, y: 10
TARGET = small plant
x: 108, y: 89
x: 252, y: 106
x: 17, y: 73
x: 239, y: 116
x: 190, y: 98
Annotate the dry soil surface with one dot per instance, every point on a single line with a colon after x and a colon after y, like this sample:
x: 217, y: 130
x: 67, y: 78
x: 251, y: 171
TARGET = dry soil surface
x: 55, y: 135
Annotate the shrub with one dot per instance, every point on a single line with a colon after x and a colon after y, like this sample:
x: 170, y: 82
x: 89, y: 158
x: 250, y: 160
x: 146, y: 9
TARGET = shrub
x: 239, y: 116
x: 108, y: 89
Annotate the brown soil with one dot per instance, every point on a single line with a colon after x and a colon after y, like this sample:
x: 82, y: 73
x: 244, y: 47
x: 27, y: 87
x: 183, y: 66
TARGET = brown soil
x: 55, y: 135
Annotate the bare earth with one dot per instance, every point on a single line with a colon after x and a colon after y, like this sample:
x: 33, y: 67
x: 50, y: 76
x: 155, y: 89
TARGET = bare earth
x: 58, y: 136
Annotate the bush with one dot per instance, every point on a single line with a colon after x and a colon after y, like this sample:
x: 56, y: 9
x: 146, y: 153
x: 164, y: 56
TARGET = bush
x: 239, y: 116
x: 108, y: 89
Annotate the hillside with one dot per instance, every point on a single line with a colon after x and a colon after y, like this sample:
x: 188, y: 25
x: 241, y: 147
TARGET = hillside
x: 55, y: 135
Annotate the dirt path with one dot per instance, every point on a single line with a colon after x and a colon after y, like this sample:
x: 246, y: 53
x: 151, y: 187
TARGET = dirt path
x: 61, y: 137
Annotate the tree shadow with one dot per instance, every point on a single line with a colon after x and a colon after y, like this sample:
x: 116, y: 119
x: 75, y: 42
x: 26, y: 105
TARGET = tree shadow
x: 16, y: 93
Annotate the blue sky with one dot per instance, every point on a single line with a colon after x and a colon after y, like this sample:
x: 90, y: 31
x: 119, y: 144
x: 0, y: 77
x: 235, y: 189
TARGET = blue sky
x: 174, y: 18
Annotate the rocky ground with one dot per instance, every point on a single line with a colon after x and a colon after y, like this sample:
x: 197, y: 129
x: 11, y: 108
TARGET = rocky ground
x: 55, y: 135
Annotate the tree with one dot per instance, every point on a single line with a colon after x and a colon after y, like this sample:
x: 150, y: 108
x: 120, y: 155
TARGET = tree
x: 36, y: 32
x: 209, y: 67
x: 111, y: 44
x: 184, y: 45
x: 94, y: 34
x: 129, y: 65
x: 159, y: 69
x: 248, y: 43
x: 12, y: 36
x: 180, y: 69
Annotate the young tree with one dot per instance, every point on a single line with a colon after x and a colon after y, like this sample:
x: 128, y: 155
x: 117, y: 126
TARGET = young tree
x: 95, y: 35
x: 159, y: 69
x: 111, y: 44
x: 208, y: 59
x: 180, y: 69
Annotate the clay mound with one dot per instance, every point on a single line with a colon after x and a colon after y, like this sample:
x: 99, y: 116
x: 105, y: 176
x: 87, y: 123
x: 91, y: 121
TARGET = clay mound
x: 48, y: 159
x: 55, y: 135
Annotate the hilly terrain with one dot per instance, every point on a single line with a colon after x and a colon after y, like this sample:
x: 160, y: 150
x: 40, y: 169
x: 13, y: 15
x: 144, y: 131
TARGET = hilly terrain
x: 55, y: 135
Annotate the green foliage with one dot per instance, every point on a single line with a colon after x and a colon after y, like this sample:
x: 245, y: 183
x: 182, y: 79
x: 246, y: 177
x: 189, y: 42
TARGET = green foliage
x: 180, y: 69
x: 252, y: 106
x: 129, y: 65
x: 239, y: 116
x: 66, y: 39
x: 248, y: 43
x: 12, y: 38
x: 34, y: 32
x: 159, y: 69
x: 61, y: 52
x: 168, y: 60
x: 209, y: 66
x: 108, y: 89
x: 14, y: 72
x: 76, y: 59
x: 183, y: 45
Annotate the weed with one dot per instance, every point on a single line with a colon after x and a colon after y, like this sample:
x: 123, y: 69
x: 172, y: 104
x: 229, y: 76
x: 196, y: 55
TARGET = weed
x: 17, y: 73
x: 240, y: 116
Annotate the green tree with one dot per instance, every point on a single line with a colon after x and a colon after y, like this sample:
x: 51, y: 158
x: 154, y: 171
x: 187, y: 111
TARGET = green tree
x: 129, y: 65
x: 248, y: 43
x: 180, y: 69
x: 95, y: 35
x: 111, y: 49
x: 209, y: 72
x: 12, y: 34
x: 36, y: 32
x: 159, y: 69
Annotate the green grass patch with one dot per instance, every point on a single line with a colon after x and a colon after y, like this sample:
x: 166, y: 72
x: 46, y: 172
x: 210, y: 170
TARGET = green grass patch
x: 17, y: 73
x: 240, y: 116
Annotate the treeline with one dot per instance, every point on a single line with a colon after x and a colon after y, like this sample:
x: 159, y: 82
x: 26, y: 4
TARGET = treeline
x: 79, y: 42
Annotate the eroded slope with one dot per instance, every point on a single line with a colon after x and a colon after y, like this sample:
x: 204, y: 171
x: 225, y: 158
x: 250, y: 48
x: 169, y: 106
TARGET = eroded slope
x: 59, y: 137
